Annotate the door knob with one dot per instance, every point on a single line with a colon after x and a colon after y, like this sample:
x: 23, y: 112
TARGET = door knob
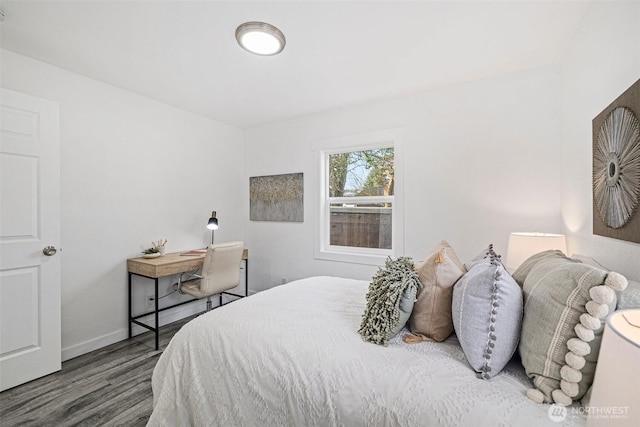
x: 49, y: 250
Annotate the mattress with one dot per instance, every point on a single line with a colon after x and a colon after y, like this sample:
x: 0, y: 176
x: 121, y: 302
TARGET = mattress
x: 292, y: 356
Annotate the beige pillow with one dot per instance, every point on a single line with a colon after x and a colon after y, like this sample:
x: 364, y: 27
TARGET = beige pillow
x: 431, y: 316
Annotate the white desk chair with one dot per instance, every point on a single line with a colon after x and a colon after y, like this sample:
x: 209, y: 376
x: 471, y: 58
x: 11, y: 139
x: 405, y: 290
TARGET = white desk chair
x: 220, y: 272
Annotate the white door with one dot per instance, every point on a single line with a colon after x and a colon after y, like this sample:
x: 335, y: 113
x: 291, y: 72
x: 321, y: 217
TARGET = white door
x: 29, y: 221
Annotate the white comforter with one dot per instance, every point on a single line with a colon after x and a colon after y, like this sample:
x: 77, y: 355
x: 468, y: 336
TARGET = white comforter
x: 292, y: 356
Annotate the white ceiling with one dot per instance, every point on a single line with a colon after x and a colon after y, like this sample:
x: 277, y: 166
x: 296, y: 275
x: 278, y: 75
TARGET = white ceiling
x: 338, y: 53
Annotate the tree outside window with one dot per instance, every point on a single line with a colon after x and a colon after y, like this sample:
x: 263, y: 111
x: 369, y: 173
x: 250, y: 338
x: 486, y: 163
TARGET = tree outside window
x: 361, y: 189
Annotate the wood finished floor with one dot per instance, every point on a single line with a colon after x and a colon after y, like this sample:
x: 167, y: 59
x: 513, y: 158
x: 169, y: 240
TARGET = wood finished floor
x: 107, y: 387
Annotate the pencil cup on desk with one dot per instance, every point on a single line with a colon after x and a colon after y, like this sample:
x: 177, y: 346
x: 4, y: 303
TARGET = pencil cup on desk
x: 160, y: 245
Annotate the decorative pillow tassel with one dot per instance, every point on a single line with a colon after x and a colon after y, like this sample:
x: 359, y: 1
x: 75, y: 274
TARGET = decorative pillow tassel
x: 412, y: 338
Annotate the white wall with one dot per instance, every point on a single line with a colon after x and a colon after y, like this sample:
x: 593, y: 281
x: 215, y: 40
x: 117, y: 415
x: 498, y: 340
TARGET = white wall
x: 133, y: 170
x: 481, y: 160
x: 602, y: 62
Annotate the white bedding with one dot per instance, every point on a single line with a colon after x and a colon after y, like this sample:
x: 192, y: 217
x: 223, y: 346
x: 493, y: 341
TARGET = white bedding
x: 292, y: 356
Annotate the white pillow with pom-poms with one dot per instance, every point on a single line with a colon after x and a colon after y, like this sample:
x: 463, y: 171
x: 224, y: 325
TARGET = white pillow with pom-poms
x: 564, y: 305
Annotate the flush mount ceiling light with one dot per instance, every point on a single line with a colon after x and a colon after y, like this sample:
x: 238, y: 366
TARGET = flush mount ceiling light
x: 260, y: 38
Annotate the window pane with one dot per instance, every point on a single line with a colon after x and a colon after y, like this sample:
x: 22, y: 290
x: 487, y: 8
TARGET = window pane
x: 362, y: 226
x: 361, y: 173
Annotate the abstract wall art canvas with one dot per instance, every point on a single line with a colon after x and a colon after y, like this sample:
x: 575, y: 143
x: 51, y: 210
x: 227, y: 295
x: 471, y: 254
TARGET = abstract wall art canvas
x: 277, y: 198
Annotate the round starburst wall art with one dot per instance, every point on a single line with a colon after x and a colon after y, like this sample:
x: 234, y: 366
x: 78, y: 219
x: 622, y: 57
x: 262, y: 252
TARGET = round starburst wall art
x: 616, y: 167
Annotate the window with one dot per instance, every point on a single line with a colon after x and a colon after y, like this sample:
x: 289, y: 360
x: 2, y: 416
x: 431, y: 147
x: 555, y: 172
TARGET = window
x: 359, y: 218
x: 360, y: 198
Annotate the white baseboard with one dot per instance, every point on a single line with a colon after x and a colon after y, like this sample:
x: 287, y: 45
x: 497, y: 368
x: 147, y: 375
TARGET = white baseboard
x: 164, y: 318
x: 93, y: 344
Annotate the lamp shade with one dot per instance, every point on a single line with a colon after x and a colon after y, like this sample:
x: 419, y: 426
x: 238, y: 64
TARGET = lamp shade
x: 615, y: 397
x: 213, y: 222
x: 524, y: 244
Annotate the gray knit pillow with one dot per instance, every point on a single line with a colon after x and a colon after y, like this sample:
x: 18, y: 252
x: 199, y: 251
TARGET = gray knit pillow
x: 390, y: 299
x: 487, y: 315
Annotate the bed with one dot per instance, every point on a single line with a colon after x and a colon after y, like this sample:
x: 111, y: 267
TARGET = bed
x: 292, y: 356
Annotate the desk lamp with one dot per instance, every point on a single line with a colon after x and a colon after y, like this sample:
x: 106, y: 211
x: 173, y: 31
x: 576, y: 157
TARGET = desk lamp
x: 213, y: 224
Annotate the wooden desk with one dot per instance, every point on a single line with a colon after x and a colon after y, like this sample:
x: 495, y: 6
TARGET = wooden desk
x: 168, y: 265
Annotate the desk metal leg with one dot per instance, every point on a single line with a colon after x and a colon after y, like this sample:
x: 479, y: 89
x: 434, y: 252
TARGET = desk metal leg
x: 130, y: 314
x: 246, y: 277
x: 156, y: 310
x: 156, y: 315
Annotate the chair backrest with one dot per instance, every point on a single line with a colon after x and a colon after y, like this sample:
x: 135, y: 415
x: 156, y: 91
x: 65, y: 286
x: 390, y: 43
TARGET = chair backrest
x: 221, y: 269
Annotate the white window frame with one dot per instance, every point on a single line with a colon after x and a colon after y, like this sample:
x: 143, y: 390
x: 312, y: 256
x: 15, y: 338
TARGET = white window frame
x: 371, y: 256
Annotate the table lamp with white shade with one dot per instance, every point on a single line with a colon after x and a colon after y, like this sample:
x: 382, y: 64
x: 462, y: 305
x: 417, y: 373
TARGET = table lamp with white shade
x: 615, y: 394
x: 524, y: 244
